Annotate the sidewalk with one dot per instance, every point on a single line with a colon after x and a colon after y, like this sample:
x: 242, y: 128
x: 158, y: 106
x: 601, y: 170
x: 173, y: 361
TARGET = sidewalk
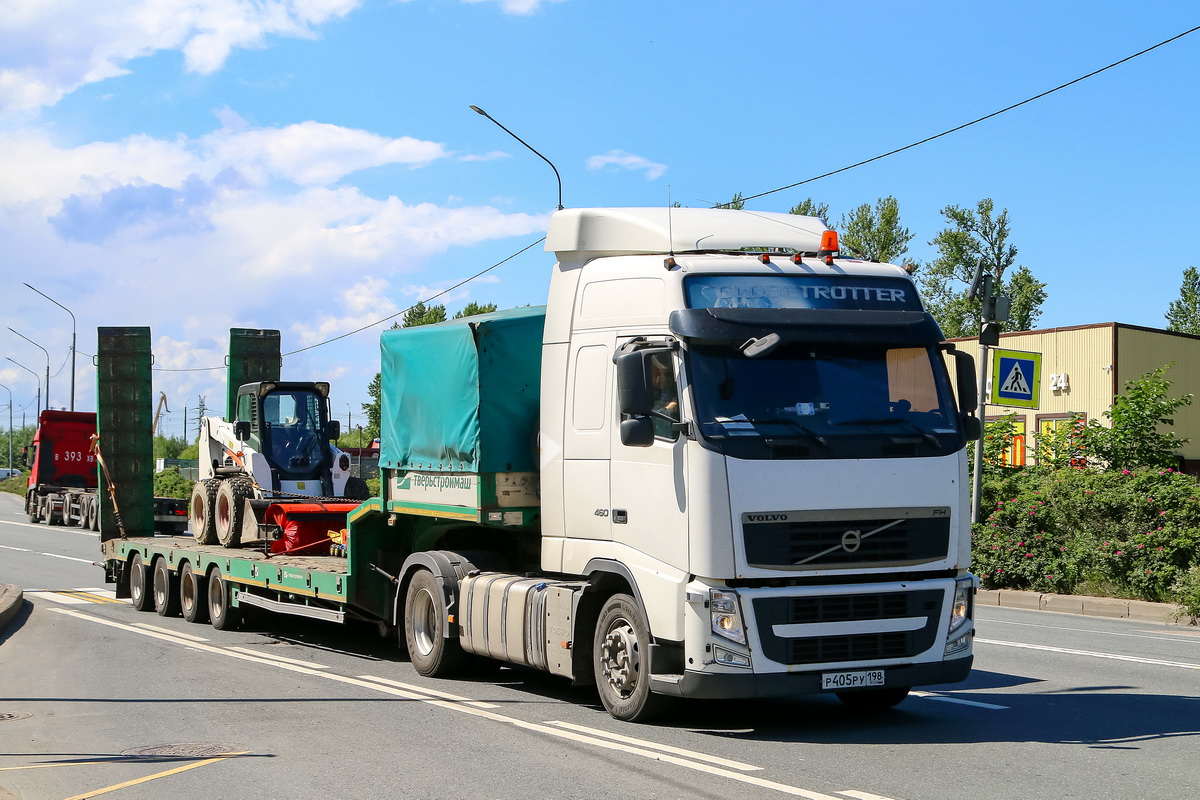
x: 1085, y: 606
x: 11, y: 598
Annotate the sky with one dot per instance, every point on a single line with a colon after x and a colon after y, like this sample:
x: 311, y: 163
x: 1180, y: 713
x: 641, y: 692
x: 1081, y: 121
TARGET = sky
x: 313, y: 166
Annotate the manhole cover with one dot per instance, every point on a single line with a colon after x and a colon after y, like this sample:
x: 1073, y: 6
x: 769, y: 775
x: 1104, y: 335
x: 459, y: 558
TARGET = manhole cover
x: 184, y: 750
x: 7, y: 716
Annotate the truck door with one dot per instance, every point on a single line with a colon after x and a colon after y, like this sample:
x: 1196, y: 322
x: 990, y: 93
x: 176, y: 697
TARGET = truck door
x: 649, y: 488
x: 586, y: 440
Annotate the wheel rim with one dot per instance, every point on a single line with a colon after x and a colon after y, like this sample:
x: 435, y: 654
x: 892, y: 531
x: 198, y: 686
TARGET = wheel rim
x: 187, y: 590
x: 137, y: 579
x: 216, y: 597
x: 424, y: 622
x: 223, y: 512
x: 161, y: 586
x: 619, y: 657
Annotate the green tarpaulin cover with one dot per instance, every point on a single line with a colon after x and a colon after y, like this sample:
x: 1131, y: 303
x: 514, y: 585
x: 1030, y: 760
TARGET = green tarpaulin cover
x: 463, y: 395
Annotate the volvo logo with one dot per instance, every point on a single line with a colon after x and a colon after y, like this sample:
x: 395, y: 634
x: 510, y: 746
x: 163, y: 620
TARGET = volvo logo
x: 851, y: 541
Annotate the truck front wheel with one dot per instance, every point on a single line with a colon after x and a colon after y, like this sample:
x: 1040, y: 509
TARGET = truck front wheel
x: 621, y: 661
x: 432, y: 654
x: 141, y: 596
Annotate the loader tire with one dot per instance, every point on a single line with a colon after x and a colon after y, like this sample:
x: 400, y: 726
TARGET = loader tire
x: 356, y: 489
x: 230, y: 508
x: 200, y: 511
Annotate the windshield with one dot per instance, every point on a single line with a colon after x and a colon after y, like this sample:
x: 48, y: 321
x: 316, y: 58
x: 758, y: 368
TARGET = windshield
x: 824, y: 401
x: 292, y: 430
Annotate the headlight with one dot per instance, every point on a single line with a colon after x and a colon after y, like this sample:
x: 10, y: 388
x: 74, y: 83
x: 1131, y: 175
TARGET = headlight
x: 960, y: 610
x: 726, y: 615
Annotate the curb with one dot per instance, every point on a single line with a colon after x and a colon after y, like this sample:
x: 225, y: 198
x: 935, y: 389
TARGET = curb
x: 1111, y: 607
x: 11, y: 599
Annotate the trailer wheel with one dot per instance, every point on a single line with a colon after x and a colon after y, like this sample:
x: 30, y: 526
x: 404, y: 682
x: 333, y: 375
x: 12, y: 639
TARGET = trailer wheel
x: 621, y: 661
x: 221, y: 612
x: 432, y: 654
x: 200, y: 511
x: 230, y: 507
x: 873, y: 699
x: 141, y: 596
x: 192, y: 600
x: 166, y: 591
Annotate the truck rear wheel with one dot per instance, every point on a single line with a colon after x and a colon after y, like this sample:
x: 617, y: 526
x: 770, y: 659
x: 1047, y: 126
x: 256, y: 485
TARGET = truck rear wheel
x: 621, y: 661
x: 432, y: 654
x: 166, y: 593
x: 141, y: 596
x: 193, y: 602
x: 221, y: 612
x: 200, y: 511
x: 230, y: 508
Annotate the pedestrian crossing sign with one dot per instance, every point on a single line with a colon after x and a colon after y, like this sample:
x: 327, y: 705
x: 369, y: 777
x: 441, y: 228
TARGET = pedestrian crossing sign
x: 1016, y: 378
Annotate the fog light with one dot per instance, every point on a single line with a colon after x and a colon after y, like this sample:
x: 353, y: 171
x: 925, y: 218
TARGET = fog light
x: 958, y: 645
x: 730, y: 659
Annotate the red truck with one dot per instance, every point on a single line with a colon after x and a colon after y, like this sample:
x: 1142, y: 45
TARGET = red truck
x: 63, y: 477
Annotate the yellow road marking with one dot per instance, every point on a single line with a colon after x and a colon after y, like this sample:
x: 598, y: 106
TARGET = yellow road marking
x: 136, y: 781
x: 94, y: 598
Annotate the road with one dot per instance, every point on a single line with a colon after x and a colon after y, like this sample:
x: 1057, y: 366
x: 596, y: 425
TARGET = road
x: 94, y: 695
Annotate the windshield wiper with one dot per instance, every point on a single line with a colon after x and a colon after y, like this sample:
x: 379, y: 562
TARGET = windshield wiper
x: 791, y: 423
x: 926, y: 435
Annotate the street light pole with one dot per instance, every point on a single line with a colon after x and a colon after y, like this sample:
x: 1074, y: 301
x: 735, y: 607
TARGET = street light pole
x: 64, y: 308
x: 37, y: 378
x: 44, y: 350
x: 10, y: 462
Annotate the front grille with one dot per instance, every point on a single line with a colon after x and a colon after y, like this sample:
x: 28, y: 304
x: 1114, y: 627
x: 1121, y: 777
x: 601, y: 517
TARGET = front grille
x: 823, y: 543
x: 772, y: 611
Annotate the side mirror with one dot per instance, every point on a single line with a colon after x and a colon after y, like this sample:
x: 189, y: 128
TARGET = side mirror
x: 634, y: 392
x: 968, y: 392
x: 241, y: 431
x: 333, y: 429
x: 637, y: 432
x: 972, y: 428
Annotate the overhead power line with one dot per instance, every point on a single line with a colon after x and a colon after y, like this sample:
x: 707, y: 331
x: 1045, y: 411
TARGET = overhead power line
x: 972, y: 122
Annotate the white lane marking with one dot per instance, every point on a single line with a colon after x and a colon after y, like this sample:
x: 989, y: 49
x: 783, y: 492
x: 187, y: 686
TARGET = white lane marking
x: 959, y: 700
x: 274, y: 657
x: 65, y: 599
x: 724, y: 762
x: 51, y: 555
x: 863, y: 795
x: 170, y: 632
x: 18, y: 549
x: 433, y: 692
x: 654, y: 755
x: 1169, y: 637
x: 1093, y: 654
x: 54, y: 528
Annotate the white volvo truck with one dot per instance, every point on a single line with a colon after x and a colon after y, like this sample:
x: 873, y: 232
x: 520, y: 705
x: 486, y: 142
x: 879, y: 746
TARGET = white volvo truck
x: 721, y: 462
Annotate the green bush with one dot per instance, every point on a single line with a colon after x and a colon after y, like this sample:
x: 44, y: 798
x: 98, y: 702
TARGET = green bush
x: 1122, y: 533
x: 169, y: 483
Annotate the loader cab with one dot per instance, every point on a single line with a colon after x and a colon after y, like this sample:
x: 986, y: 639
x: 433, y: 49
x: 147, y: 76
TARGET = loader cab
x: 289, y: 424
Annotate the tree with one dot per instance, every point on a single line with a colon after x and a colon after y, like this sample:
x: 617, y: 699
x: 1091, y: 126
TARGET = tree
x: 810, y: 208
x: 1133, y: 439
x: 1183, y: 314
x: 976, y: 234
x: 421, y: 314
x: 875, y: 233
x: 737, y: 203
x: 472, y: 309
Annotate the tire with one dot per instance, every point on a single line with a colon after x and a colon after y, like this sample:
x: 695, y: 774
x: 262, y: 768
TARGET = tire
x: 229, y: 510
x: 141, y: 592
x: 200, y: 511
x: 873, y: 699
x: 85, y: 521
x: 621, y: 661
x: 432, y: 654
x: 47, y: 511
x: 31, y: 508
x: 221, y: 611
x: 193, y: 599
x: 166, y: 589
x: 356, y: 489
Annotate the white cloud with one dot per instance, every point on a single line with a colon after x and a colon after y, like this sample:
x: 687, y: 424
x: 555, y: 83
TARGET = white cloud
x: 42, y: 59
x: 517, y: 6
x: 622, y: 160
